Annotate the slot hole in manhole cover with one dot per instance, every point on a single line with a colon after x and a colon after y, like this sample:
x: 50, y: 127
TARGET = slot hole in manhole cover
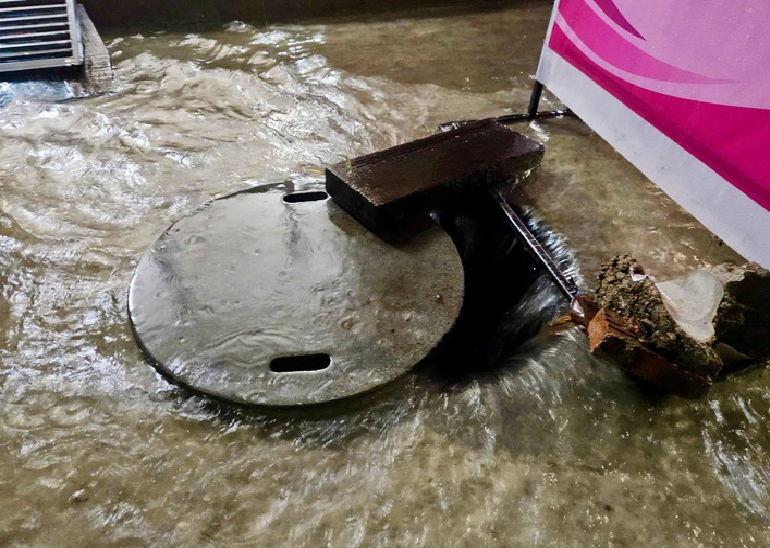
x: 299, y: 197
x: 306, y: 362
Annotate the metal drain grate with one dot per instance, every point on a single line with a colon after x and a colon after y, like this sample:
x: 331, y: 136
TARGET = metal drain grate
x: 37, y: 34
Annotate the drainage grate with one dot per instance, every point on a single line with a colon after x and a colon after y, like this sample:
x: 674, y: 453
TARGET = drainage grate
x: 37, y: 34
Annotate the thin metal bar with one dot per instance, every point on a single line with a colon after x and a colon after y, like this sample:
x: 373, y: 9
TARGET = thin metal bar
x: 38, y: 44
x: 37, y: 64
x: 10, y: 57
x: 77, y: 40
x: 536, y: 116
x: 50, y: 24
x: 42, y: 34
x: 565, y: 284
x: 534, y: 100
x: 531, y: 114
x: 4, y: 20
x: 509, y: 118
x: 27, y: 9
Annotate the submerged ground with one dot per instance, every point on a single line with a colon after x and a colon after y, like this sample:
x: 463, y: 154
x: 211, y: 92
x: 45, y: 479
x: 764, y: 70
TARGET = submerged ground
x: 552, y: 448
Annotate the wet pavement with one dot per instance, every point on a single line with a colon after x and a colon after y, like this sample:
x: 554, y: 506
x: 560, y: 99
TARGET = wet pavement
x: 549, y: 448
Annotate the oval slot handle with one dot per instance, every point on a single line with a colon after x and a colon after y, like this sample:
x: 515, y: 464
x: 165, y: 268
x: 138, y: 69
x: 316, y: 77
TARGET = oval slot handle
x: 303, y: 362
x: 299, y: 197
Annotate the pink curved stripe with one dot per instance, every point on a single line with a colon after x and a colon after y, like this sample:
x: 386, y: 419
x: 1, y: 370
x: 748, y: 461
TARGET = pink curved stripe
x: 612, y: 11
x: 731, y: 140
x: 610, y: 46
x: 714, y: 37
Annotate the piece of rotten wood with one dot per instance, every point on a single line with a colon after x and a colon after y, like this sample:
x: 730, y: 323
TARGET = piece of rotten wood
x: 383, y: 189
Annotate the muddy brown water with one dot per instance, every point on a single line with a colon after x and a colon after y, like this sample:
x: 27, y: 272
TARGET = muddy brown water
x: 552, y: 448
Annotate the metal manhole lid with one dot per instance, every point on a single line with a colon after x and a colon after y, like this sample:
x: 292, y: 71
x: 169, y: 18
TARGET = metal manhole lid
x: 285, y: 300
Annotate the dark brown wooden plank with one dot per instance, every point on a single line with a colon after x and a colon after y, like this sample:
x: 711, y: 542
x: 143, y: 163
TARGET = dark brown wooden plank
x: 384, y: 188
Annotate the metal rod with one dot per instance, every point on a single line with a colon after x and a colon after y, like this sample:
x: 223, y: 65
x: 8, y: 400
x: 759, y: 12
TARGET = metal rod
x: 534, y: 100
x: 565, y: 284
x: 531, y: 114
x: 509, y: 118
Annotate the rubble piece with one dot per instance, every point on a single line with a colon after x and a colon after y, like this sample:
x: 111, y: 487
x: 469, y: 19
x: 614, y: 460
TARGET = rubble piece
x: 382, y: 189
x: 680, y: 333
x: 627, y: 291
x: 743, y: 318
x: 615, y: 338
x: 692, y: 302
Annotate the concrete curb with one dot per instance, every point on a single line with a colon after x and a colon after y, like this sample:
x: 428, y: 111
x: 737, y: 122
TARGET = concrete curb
x: 97, y: 75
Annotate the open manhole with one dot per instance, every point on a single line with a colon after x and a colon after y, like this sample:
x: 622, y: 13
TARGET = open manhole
x: 283, y: 299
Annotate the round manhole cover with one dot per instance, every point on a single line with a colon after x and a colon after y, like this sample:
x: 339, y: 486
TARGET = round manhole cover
x: 283, y: 299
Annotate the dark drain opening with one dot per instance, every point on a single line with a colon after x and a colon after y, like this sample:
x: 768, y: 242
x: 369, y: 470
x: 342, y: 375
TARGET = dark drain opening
x: 307, y: 362
x: 299, y: 197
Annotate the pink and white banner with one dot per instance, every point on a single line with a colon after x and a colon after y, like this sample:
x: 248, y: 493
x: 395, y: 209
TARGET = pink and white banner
x: 682, y: 89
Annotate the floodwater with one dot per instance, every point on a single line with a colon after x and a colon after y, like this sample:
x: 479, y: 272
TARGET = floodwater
x: 550, y: 448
